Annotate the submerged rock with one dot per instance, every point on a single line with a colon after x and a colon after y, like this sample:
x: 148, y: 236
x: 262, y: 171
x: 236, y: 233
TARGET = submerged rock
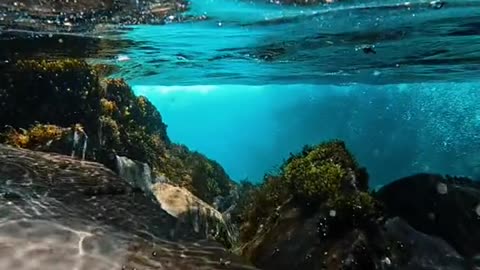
x: 193, y: 212
x: 315, y: 215
x: 412, y: 249
x: 68, y: 141
x: 318, y: 214
x: 446, y: 207
x: 71, y: 214
x: 137, y: 174
x: 69, y: 92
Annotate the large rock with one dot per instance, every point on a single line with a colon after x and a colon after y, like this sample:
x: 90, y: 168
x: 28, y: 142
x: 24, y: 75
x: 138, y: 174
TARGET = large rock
x: 316, y: 214
x: 413, y: 250
x: 192, y: 212
x: 70, y: 92
x: 62, y: 213
x: 442, y: 206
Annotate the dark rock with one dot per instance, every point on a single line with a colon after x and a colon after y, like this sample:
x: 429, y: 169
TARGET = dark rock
x: 411, y: 249
x: 79, y: 214
x: 303, y: 241
x: 316, y: 214
x: 442, y: 206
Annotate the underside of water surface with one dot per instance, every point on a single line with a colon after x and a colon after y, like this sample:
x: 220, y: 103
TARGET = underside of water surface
x: 239, y: 134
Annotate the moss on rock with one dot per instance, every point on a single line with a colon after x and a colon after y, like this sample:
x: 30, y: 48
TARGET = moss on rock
x: 66, y: 92
x: 324, y: 176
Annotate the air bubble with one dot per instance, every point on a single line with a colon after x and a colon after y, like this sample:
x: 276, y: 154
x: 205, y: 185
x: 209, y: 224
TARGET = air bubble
x: 332, y: 213
x: 387, y: 261
x: 442, y: 188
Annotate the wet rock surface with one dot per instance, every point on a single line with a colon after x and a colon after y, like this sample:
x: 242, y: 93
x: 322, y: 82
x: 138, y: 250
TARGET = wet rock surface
x: 193, y: 212
x: 416, y: 250
x: 62, y: 213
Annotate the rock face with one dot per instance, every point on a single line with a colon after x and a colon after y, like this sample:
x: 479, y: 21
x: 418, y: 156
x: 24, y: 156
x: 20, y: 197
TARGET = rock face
x: 62, y: 213
x: 62, y: 94
x: 442, y: 206
x: 192, y: 212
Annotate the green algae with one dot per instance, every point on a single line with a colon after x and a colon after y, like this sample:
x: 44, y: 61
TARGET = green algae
x: 66, y: 92
x: 323, y: 176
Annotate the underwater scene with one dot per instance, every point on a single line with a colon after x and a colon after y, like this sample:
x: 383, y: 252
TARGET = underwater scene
x: 239, y: 134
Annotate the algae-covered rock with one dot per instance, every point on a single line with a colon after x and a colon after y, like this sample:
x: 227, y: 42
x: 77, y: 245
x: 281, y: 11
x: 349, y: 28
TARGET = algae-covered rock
x: 323, y: 175
x: 318, y: 203
x: 68, y: 141
x: 199, y: 174
x: 60, y: 94
x: 446, y: 207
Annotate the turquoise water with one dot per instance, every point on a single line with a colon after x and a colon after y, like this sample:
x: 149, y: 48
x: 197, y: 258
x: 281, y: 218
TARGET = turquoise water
x: 394, y: 130
x: 256, y: 81
x: 246, y: 83
x: 253, y: 43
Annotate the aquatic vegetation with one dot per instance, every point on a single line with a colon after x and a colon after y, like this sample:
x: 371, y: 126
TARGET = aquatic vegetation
x: 66, y: 92
x: 108, y: 107
x: 36, y: 136
x: 201, y: 175
x: 326, y: 175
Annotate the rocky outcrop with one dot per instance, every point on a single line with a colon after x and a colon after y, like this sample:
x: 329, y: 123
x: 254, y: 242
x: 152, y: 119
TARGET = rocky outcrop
x: 63, y: 213
x: 39, y: 99
x: 446, y: 207
x: 316, y: 211
x: 318, y: 214
x: 192, y: 212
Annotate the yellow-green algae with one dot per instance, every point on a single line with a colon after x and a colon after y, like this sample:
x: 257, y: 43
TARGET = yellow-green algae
x: 65, y: 92
x: 325, y: 175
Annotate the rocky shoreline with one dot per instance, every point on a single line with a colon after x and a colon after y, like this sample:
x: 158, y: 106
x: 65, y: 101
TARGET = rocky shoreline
x: 87, y: 142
